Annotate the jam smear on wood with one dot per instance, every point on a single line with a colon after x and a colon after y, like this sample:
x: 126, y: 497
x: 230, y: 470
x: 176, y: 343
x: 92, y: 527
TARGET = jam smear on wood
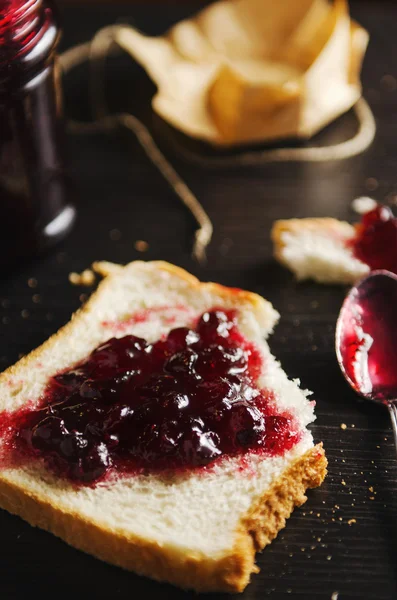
x: 375, y: 242
x: 181, y: 402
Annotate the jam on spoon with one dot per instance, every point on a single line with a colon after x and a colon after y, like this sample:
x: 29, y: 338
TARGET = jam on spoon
x: 366, y: 335
x: 375, y: 242
x: 181, y: 402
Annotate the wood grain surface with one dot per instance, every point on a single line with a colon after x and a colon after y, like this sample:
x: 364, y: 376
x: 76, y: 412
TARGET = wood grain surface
x: 343, y: 542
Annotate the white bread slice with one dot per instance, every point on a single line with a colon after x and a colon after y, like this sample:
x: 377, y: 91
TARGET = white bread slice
x: 316, y: 249
x: 197, y: 531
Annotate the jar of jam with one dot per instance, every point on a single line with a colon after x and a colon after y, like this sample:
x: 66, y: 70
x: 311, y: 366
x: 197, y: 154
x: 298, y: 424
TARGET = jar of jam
x: 34, y: 209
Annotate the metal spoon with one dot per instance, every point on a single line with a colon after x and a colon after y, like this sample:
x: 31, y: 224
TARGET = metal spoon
x: 366, y: 340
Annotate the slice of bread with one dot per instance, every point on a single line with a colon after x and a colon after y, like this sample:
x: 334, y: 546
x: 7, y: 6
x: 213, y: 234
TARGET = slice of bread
x: 316, y: 249
x: 196, y: 530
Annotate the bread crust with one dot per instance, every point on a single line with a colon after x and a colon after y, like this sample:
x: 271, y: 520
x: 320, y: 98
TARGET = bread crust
x: 228, y: 573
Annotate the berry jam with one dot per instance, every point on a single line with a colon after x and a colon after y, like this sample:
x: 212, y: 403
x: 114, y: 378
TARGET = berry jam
x: 366, y: 336
x: 181, y: 402
x: 375, y: 242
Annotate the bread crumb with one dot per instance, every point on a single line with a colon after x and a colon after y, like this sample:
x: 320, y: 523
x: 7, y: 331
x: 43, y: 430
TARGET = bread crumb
x: 225, y: 246
x: 329, y: 557
x: 352, y: 425
x: 391, y: 198
x: 371, y: 184
x: 25, y: 314
x: 343, y: 482
x: 36, y: 298
x: 351, y: 521
x: 32, y: 282
x: 334, y: 595
x: 372, y: 497
x: 388, y: 83
x: 141, y: 246
x: 371, y: 489
x: 87, y: 277
x: 343, y: 426
x: 83, y: 297
x: 115, y: 235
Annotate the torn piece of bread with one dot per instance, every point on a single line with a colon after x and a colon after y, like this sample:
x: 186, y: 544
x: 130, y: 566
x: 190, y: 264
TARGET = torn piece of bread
x: 316, y: 249
x: 196, y: 530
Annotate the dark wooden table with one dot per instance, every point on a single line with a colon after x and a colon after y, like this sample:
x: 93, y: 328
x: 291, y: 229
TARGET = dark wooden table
x: 121, y: 198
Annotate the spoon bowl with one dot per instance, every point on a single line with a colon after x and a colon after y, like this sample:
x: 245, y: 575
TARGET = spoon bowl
x: 366, y: 340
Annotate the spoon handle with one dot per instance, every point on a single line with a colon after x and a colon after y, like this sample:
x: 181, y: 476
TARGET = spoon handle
x: 392, y: 406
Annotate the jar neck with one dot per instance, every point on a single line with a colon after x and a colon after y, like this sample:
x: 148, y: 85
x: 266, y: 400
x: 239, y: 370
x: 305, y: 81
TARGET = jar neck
x: 20, y: 23
x: 28, y: 33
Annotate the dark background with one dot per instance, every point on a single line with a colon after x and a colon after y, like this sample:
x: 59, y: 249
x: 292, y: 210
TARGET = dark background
x: 121, y: 199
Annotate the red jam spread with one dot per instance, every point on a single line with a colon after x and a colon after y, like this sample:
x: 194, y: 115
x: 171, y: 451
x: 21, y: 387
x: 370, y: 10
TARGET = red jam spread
x: 375, y: 242
x: 181, y: 402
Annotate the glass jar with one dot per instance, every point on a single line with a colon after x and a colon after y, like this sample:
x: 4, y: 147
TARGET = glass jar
x: 34, y: 209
